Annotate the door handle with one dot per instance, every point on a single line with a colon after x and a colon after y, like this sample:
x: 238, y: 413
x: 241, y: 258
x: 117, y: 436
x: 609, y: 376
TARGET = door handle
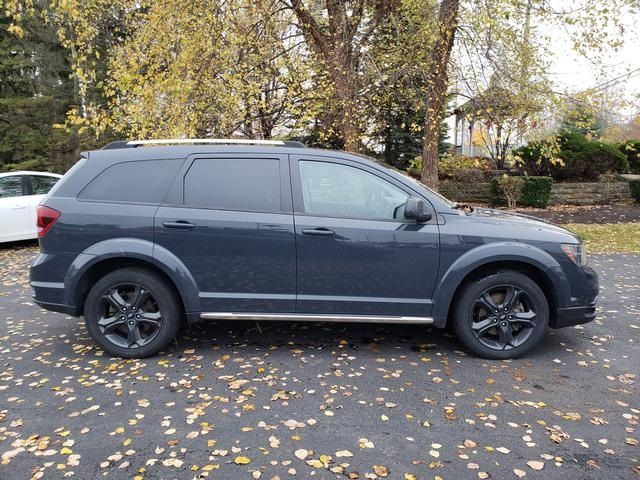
x: 17, y: 207
x: 179, y: 224
x: 320, y: 231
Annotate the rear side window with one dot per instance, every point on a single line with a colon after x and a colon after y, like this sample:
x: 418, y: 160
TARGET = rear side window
x: 41, y: 184
x: 143, y: 181
x: 243, y: 184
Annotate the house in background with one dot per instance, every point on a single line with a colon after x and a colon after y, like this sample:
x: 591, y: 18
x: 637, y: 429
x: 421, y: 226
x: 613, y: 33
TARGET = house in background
x: 488, y: 125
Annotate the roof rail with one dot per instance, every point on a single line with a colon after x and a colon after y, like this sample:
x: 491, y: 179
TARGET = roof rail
x: 191, y: 141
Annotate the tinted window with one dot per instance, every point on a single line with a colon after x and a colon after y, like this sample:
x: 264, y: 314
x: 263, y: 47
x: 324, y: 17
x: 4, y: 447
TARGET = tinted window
x: 11, y: 186
x: 40, y: 184
x: 136, y: 182
x: 234, y: 184
x: 335, y: 190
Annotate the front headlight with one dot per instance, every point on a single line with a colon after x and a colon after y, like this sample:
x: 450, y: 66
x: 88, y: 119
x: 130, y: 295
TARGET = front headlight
x: 575, y: 252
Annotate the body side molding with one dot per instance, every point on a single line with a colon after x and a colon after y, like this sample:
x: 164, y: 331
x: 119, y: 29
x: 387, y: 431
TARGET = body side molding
x: 316, y: 318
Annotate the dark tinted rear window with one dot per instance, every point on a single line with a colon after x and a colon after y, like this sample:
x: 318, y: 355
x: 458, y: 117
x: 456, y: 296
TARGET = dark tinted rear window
x: 234, y: 184
x: 132, y: 182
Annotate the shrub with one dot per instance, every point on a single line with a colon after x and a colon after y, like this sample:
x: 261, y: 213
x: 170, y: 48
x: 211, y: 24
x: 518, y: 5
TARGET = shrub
x: 632, y: 151
x: 506, y: 189
x: 634, y: 185
x: 463, y: 169
x: 531, y: 158
x: 580, y: 158
x: 586, y: 160
x: 536, y: 192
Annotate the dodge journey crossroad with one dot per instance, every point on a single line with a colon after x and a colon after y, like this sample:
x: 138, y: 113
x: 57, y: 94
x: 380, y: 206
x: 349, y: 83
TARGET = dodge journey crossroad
x: 143, y: 236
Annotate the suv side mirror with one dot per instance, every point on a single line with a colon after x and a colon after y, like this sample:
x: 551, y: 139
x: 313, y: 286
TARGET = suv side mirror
x: 416, y: 208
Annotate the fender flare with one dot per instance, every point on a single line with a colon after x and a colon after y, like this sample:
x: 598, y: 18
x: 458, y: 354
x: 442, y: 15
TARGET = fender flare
x: 135, y: 248
x: 489, y: 253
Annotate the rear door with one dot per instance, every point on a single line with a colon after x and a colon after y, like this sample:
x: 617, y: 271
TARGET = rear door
x: 229, y: 219
x: 357, y: 254
x: 13, y: 209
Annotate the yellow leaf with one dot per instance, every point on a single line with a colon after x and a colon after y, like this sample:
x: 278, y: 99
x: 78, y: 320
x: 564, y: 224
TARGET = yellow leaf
x: 241, y: 460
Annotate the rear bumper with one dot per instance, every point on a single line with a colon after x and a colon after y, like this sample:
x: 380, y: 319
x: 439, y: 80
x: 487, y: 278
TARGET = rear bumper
x: 575, y: 316
x: 57, y: 307
x: 47, y: 274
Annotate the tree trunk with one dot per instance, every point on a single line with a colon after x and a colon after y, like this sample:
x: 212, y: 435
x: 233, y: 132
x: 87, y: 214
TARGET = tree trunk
x: 437, y: 78
x: 347, y: 110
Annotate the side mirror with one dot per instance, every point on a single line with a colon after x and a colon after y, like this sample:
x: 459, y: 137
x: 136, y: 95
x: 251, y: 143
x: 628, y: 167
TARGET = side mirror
x: 416, y: 208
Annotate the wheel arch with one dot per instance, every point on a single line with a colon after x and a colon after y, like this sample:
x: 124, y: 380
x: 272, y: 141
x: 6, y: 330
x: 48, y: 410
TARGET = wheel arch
x: 537, y: 264
x: 109, y: 256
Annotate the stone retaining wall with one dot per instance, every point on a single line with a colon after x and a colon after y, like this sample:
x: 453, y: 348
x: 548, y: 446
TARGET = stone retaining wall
x: 584, y: 193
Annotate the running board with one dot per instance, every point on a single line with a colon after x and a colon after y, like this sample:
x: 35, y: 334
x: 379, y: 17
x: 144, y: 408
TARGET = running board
x: 300, y: 317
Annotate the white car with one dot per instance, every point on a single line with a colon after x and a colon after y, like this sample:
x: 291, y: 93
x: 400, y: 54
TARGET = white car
x: 20, y: 194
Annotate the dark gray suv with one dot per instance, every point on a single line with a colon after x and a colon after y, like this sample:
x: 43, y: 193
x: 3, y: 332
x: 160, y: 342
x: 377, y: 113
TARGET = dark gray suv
x: 142, y: 236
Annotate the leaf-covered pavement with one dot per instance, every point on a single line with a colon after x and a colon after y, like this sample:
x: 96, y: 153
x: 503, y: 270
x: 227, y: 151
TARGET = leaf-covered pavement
x: 287, y: 401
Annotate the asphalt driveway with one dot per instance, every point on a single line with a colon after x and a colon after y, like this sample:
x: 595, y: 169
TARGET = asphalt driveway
x: 296, y: 400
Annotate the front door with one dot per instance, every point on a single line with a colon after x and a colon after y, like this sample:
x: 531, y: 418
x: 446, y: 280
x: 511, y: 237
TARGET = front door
x: 232, y: 227
x: 14, y: 209
x: 357, y: 254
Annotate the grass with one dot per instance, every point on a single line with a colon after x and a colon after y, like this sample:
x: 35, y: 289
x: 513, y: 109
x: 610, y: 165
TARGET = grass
x: 608, y: 237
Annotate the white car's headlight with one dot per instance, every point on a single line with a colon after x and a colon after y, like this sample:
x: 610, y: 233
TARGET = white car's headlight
x: 576, y: 252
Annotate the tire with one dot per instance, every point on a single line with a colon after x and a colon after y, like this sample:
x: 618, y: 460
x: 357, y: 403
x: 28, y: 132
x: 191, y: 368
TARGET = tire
x: 487, y: 329
x: 151, y: 318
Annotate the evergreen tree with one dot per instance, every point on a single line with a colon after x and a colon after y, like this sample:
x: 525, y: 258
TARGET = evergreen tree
x: 35, y: 94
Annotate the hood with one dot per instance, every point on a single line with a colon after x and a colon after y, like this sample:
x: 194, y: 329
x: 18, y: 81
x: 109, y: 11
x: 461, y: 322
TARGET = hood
x: 523, y: 226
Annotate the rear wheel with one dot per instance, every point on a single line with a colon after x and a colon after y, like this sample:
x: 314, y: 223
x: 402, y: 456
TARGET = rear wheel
x: 500, y: 316
x: 132, y: 313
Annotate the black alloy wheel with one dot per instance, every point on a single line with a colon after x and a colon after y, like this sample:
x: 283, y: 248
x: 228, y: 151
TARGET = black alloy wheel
x: 131, y: 317
x: 503, y: 317
x: 133, y: 312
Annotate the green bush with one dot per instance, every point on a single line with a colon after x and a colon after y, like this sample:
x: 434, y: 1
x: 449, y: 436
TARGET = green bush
x: 535, y: 192
x: 634, y: 185
x: 497, y: 197
x: 632, y: 151
x: 581, y: 159
x: 587, y: 160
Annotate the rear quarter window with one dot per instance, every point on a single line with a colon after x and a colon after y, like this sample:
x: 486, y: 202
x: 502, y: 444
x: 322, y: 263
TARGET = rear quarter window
x: 144, y: 181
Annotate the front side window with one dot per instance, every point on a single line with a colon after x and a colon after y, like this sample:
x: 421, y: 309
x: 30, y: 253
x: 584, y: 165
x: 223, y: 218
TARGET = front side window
x: 11, y: 186
x: 243, y: 184
x: 335, y: 190
x: 41, y: 184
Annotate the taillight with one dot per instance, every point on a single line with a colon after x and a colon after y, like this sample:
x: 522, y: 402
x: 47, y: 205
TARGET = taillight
x: 47, y: 217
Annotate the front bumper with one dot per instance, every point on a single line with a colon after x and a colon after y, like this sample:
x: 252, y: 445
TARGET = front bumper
x: 575, y: 316
x: 582, y: 306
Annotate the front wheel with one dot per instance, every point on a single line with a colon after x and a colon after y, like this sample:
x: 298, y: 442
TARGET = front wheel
x: 132, y: 313
x: 500, y: 316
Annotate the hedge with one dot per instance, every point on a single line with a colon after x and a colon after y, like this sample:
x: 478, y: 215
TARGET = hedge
x: 536, y: 192
x: 634, y: 185
x: 632, y: 150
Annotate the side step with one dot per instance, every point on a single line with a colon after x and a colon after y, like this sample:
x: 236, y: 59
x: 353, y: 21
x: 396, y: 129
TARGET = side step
x: 300, y: 317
